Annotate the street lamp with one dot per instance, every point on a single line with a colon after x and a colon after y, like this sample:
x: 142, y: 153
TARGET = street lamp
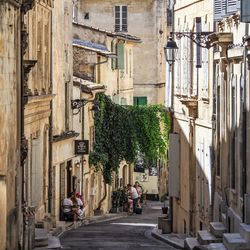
x: 77, y: 104
x: 170, y: 50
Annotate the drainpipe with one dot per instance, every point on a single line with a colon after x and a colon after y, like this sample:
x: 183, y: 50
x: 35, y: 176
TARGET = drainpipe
x: 244, y: 122
x: 171, y: 77
x: 50, y: 120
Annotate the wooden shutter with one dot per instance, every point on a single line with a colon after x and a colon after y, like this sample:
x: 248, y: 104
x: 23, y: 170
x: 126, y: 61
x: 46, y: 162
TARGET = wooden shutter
x: 195, y: 60
x: 205, y: 67
x: 117, y: 18
x: 232, y: 6
x: 219, y: 9
x: 120, y: 54
x: 135, y: 101
x: 189, y: 61
x: 124, y: 18
x: 114, y: 60
x: 178, y: 65
x: 174, y: 165
x: 185, y: 66
x: 140, y: 101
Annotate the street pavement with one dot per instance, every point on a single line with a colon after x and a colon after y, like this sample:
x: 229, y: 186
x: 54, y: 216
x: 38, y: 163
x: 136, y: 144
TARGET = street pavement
x: 132, y: 232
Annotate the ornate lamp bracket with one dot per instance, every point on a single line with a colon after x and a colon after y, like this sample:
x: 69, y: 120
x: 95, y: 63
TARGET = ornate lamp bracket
x: 199, y: 38
x: 77, y: 104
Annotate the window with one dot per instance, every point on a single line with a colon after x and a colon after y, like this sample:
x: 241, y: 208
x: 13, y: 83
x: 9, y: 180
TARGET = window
x: 121, y: 16
x: 113, y: 60
x: 140, y: 101
x: 224, y: 8
x: 120, y: 55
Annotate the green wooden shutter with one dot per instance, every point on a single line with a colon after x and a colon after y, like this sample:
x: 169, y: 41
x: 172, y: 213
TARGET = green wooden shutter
x: 120, y: 54
x: 114, y: 60
x: 142, y: 101
x: 135, y: 101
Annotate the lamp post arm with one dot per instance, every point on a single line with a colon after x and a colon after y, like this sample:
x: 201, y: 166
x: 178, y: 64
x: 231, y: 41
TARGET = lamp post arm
x: 199, y: 38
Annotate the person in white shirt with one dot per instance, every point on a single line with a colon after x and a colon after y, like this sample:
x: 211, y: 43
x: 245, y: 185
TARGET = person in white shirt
x: 67, y: 208
x: 133, y: 194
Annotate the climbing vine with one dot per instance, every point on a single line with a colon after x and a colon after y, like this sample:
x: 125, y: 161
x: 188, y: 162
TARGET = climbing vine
x: 123, y: 131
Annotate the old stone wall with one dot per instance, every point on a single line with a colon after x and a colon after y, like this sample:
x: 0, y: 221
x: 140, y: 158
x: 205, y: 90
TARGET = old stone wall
x: 9, y: 122
x: 147, y: 20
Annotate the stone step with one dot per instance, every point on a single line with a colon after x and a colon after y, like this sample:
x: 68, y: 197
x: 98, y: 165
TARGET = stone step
x: 244, y: 230
x: 205, y: 238
x: 53, y: 243
x: 217, y: 229
x: 234, y: 241
x: 41, y: 237
x: 216, y: 246
x: 190, y: 243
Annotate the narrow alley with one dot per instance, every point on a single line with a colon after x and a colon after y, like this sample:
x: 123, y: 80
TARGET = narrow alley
x: 131, y: 232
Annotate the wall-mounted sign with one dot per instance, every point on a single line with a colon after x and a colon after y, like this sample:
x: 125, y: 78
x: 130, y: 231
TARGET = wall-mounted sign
x: 81, y: 147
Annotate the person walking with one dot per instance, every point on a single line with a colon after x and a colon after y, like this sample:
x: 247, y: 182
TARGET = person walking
x: 134, y: 195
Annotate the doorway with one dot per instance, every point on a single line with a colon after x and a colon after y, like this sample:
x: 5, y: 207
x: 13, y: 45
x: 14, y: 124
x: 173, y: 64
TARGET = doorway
x: 69, y: 177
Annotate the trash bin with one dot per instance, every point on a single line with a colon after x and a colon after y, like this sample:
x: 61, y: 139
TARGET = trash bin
x: 166, y: 226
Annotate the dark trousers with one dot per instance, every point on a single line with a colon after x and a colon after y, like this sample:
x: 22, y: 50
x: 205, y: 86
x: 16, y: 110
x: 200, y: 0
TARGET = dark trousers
x: 135, y: 203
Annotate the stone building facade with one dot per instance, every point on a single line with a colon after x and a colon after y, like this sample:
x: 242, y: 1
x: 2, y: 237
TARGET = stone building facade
x: 192, y: 106
x: 231, y: 137
x: 102, y: 62
x: 10, y: 171
x: 145, y: 19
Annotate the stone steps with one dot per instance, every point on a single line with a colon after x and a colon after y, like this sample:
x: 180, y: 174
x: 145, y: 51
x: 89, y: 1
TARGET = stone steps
x: 53, y: 243
x: 41, y: 237
x: 190, y: 243
x: 217, y: 229
x: 244, y: 230
x: 205, y: 238
x: 234, y: 241
x: 216, y: 246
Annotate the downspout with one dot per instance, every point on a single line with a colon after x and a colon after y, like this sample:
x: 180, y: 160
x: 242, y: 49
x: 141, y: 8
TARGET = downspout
x: 94, y: 67
x: 244, y: 122
x: 172, y: 115
x: 50, y: 118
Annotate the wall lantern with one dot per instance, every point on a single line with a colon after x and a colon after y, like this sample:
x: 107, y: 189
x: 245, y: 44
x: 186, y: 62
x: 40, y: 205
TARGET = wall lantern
x: 170, y: 51
x: 77, y: 104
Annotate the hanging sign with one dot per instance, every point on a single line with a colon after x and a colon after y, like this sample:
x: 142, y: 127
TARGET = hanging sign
x: 81, y: 147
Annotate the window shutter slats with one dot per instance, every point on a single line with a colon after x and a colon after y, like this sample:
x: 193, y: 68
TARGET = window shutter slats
x: 120, y: 53
x: 121, y: 18
x: 232, y: 5
x: 114, y: 60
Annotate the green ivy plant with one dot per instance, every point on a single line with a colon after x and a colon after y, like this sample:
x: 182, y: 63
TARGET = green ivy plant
x: 123, y: 131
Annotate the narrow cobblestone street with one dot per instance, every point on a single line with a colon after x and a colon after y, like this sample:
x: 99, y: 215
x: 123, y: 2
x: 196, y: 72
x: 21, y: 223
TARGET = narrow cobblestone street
x: 133, y: 232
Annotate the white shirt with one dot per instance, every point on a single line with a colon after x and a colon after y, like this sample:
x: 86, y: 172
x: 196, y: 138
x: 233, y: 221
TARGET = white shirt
x: 79, y: 202
x: 134, y: 194
x: 68, y: 205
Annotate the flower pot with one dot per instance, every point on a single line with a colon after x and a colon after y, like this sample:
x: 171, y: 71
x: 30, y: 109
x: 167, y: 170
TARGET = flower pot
x: 164, y: 210
x: 98, y: 212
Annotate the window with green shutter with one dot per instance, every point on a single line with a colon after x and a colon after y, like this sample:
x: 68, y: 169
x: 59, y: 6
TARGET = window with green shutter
x: 120, y: 55
x: 113, y: 60
x: 140, y: 101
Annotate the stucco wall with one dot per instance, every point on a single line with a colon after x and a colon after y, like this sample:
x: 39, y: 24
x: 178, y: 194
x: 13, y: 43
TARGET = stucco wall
x: 146, y: 19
